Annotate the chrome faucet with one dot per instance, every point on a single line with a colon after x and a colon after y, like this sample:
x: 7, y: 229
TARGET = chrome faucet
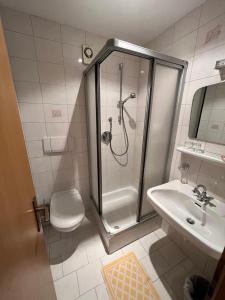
x: 201, y: 193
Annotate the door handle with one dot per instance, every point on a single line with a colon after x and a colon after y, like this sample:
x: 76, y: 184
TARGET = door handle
x: 37, y: 210
x: 36, y: 213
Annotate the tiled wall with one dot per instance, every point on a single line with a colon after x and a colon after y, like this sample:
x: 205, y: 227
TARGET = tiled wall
x: 191, y: 39
x: 199, y: 37
x: 48, y: 80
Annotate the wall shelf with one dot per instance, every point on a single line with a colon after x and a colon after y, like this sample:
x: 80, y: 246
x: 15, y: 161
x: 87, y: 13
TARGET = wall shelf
x: 215, y: 158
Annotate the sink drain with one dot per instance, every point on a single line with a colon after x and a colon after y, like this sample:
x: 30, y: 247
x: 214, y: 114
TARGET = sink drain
x: 116, y: 227
x: 190, y: 221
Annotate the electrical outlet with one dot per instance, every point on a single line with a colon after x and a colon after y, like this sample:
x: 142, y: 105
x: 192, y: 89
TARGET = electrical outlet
x: 213, y: 33
x: 56, y: 113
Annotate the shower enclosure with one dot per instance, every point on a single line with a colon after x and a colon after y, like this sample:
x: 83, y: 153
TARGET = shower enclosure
x: 133, y: 100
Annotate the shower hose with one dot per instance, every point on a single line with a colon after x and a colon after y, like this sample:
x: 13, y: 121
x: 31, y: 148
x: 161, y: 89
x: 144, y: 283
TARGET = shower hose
x: 126, y: 139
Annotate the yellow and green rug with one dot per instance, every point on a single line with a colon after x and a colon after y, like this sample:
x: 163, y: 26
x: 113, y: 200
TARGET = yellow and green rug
x: 126, y: 279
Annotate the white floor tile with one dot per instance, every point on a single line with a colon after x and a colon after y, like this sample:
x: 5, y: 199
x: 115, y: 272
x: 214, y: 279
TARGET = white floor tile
x: 155, y: 265
x: 67, y: 287
x: 89, y: 276
x: 91, y: 295
x: 176, y: 278
x: 111, y: 257
x: 171, y: 253
x: 160, y: 233
x: 150, y: 242
x: 57, y: 249
x: 86, y: 234
x: 95, y: 250
x: 164, y: 291
x: 57, y: 271
x: 77, y: 260
x: 137, y: 248
x: 52, y: 235
x: 102, y: 293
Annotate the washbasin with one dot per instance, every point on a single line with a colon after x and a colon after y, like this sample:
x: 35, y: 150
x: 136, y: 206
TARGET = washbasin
x: 176, y: 203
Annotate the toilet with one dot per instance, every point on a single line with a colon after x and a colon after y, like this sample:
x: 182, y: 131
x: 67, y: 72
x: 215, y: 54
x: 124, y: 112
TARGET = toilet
x: 66, y: 210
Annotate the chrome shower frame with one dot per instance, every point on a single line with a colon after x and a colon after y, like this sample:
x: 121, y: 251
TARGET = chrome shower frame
x: 154, y: 58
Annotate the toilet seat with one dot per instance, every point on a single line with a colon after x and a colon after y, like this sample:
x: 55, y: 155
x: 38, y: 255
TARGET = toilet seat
x: 66, y: 210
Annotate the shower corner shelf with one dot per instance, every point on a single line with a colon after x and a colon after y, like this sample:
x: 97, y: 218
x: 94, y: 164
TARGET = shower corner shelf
x: 212, y: 157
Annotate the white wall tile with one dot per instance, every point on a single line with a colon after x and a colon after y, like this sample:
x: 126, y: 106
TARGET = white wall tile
x: 63, y: 180
x: 46, y: 29
x: 55, y: 113
x: 212, y: 9
x: 39, y: 68
x: 31, y: 112
x: 28, y: 92
x: 187, y: 24
x: 16, y: 21
x: 95, y: 41
x: 43, y: 183
x: 40, y: 164
x: 35, y: 149
x: 72, y: 54
x: 72, y: 35
x: 163, y: 40
x: 49, y: 51
x: 20, y: 45
x: 54, y: 94
x: 24, y: 70
x: 34, y: 131
x: 74, y: 113
x: 185, y: 47
x: 73, y: 76
x: 57, y: 129
x: 211, y: 35
x: 202, y: 54
x: 61, y: 162
x: 51, y: 73
x: 204, y: 64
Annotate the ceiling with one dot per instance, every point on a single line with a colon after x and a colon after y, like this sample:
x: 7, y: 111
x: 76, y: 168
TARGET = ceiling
x: 137, y: 21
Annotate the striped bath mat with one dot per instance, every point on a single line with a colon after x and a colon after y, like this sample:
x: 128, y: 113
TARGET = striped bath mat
x: 126, y: 279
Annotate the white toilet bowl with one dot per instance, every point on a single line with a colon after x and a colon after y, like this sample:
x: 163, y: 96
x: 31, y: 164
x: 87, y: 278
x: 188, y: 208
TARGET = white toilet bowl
x: 66, y: 210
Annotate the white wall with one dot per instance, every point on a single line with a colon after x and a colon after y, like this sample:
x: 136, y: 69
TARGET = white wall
x: 48, y: 80
x: 191, y: 39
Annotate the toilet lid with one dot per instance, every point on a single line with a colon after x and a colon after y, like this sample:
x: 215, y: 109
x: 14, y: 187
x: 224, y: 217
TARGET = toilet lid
x: 66, y: 209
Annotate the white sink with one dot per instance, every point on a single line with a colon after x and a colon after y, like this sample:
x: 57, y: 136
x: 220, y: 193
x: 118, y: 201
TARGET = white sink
x: 175, y: 202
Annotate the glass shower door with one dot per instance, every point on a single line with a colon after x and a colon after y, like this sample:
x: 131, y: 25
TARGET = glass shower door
x: 123, y: 92
x: 160, y: 127
x: 92, y: 139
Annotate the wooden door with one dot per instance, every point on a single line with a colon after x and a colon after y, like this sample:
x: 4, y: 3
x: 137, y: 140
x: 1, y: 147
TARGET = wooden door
x: 24, y: 267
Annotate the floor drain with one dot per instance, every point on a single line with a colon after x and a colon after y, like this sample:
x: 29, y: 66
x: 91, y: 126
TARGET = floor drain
x: 190, y: 221
x: 116, y: 227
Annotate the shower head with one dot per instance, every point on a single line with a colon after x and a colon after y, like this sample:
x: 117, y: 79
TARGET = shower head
x: 131, y: 96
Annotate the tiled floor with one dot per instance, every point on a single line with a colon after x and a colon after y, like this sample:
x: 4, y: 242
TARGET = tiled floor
x: 77, y: 258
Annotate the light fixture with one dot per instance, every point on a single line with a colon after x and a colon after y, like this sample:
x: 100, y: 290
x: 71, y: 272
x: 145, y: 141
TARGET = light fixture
x: 80, y: 60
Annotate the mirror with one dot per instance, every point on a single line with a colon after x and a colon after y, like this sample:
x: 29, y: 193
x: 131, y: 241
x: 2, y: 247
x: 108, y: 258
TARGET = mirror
x: 207, y: 121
